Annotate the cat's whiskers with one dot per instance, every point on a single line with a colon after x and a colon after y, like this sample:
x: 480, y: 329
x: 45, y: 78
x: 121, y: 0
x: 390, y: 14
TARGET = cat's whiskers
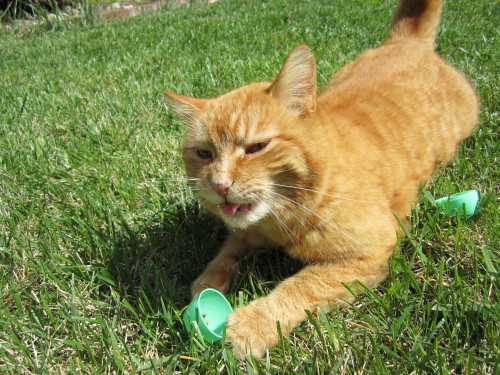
x: 304, y: 221
x: 334, y: 226
x: 186, y: 183
x: 173, y: 179
x: 187, y: 190
x: 331, y: 195
x: 179, y: 197
x: 281, y: 205
x: 182, y: 193
x: 298, y: 220
x: 281, y: 224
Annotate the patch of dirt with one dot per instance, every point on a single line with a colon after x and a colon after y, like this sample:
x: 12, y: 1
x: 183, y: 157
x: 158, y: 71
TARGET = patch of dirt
x: 116, y: 10
x: 131, y: 9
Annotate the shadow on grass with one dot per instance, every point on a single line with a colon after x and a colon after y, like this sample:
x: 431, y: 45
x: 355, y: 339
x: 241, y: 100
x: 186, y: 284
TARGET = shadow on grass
x: 160, y: 260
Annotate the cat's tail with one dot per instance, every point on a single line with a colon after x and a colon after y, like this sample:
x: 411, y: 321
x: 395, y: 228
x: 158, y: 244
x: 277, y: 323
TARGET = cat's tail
x: 417, y: 19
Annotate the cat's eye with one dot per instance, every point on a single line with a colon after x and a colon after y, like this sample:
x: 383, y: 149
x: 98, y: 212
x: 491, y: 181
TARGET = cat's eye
x: 204, y: 154
x: 256, y: 147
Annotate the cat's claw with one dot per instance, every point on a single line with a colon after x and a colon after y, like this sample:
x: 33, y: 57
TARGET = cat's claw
x: 251, y: 330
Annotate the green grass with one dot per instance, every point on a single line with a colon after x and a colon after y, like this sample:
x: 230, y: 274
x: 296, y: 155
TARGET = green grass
x: 99, y: 240
x: 26, y: 15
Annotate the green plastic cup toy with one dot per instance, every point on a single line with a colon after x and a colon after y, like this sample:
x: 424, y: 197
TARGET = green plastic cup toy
x: 209, y: 310
x: 464, y: 203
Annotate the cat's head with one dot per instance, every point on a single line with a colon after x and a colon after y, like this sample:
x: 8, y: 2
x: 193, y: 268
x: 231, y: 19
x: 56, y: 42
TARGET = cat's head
x: 241, y: 146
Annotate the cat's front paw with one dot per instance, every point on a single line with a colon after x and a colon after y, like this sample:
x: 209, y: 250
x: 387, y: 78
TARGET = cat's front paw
x: 202, y: 283
x: 216, y: 276
x: 251, y: 330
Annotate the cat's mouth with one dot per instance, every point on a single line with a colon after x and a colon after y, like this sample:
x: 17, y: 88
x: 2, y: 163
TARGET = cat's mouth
x: 230, y: 209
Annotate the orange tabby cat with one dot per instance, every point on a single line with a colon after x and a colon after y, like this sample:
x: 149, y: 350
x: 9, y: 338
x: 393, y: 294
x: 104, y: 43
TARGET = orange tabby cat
x: 323, y: 176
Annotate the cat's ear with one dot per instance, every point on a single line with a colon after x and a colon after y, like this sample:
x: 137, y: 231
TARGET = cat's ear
x: 184, y: 106
x: 295, y: 85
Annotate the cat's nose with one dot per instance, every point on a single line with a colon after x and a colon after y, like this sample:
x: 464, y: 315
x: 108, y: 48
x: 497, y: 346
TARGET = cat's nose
x: 221, y: 187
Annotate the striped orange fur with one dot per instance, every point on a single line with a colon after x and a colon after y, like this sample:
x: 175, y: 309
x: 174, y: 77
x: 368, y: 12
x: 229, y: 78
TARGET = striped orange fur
x: 323, y: 175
